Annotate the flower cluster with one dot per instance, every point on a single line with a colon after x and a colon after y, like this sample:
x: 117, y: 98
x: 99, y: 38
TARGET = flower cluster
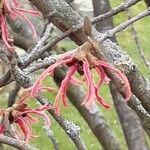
x: 20, y: 115
x: 12, y: 8
x: 82, y: 62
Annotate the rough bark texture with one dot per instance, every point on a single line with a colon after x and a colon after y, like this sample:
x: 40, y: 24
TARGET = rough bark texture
x: 123, y: 106
x: 120, y: 59
x: 59, y: 11
x: 69, y: 127
x: 61, y: 14
x: 101, y: 7
x: 16, y: 143
x: 144, y: 116
x: 130, y: 122
x: 66, y: 18
x: 13, y: 94
x: 95, y: 119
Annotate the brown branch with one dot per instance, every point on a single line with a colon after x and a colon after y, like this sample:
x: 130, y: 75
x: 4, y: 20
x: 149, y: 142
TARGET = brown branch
x: 16, y: 143
x: 6, y: 78
x: 83, y: 36
x: 24, y: 80
x: 114, y: 54
x: 121, y: 59
x: 145, y: 120
x: 73, y: 29
x: 96, y: 127
x: 102, y: 27
x: 36, y: 54
x: 76, y: 20
x: 115, y: 11
x: 99, y: 9
x: 134, y: 103
x: 43, y: 39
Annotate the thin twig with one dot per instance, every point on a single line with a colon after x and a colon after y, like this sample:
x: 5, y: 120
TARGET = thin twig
x: 36, y: 54
x: 124, y: 25
x: 72, y: 130
x: 115, y: 11
x: 137, y: 41
x: 47, y: 61
x: 111, y: 13
x: 51, y: 136
x: 41, y: 42
x: 106, y: 35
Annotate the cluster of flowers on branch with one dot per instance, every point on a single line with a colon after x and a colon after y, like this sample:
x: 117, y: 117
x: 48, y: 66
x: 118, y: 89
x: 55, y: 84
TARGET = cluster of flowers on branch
x: 82, y: 62
x: 20, y: 117
x: 13, y: 9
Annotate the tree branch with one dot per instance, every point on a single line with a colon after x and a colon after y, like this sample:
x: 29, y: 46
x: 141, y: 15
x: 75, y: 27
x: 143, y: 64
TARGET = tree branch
x: 137, y: 42
x: 112, y: 52
x: 13, y: 94
x: 51, y: 136
x: 144, y: 116
x: 131, y: 125
x: 24, y: 79
x: 72, y: 130
x: 5, y: 79
x: 124, y: 25
x: 95, y: 118
x: 16, y: 143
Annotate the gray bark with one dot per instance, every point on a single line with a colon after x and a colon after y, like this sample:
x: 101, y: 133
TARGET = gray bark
x: 130, y: 122
x: 101, y: 7
x: 95, y: 119
x: 133, y: 136
x: 64, y: 18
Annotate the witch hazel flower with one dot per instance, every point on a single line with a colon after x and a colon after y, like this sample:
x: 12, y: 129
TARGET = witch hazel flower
x: 23, y: 117
x: 82, y: 62
x: 12, y: 8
